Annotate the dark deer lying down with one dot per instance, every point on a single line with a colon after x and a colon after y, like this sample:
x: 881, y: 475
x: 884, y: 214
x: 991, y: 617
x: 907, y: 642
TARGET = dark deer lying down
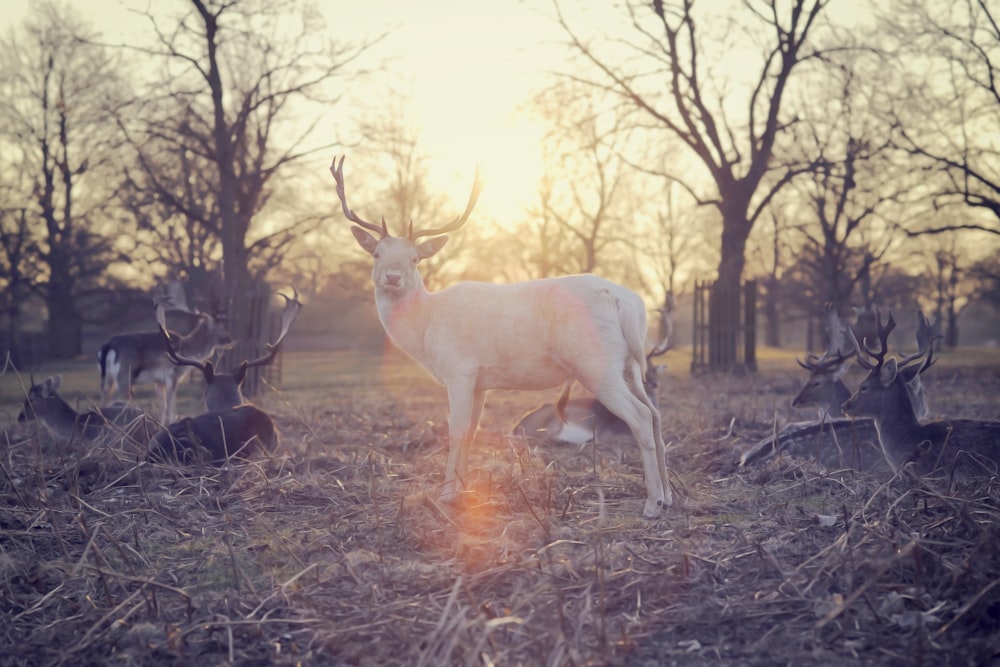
x: 955, y: 448
x: 231, y: 427
x: 841, y: 443
x: 584, y: 420
x: 216, y: 437
x: 45, y: 406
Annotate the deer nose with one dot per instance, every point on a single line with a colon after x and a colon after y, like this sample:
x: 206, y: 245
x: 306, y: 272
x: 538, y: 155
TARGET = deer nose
x: 393, y: 279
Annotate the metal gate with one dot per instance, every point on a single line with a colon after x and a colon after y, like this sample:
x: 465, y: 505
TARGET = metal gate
x: 252, y: 321
x: 725, y: 325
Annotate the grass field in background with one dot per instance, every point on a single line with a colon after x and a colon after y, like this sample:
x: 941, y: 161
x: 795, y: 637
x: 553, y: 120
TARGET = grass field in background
x: 308, y: 375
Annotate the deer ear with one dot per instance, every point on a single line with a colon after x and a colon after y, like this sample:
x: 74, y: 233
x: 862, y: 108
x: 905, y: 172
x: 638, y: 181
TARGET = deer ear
x: 887, y: 373
x: 367, y: 241
x: 431, y: 247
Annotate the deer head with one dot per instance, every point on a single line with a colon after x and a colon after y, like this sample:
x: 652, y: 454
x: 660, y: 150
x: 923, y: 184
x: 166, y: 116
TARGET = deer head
x: 395, y: 269
x: 224, y: 389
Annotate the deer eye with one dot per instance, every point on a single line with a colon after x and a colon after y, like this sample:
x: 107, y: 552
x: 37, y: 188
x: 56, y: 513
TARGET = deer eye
x: 414, y: 260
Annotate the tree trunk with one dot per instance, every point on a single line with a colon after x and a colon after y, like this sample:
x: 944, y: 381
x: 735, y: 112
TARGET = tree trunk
x: 772, y: 330
x: 65, y: 325
x: 724, y: 307
x: 951, y: 331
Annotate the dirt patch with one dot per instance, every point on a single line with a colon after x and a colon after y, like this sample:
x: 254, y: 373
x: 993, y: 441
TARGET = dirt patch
x: 336, y: 550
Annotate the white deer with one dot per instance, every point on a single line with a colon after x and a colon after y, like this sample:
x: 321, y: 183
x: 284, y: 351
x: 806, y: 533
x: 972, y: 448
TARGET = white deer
x: 474, y: 337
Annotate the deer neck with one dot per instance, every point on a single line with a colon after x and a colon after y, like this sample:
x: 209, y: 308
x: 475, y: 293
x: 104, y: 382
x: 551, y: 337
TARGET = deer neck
x: 840, y: 395
x: 897, y: 424
x: 60, y: 419
x: 404, y: 317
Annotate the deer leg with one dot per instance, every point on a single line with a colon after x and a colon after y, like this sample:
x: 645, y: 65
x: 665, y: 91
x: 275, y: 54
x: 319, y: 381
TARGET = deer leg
x: 168, y: 392
x: 621, y: 402
x: 661, y: 456
x: 478, y: 400
x: 462, y: 402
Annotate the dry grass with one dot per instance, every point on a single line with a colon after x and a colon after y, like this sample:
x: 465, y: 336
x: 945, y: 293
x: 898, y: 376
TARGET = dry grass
x: 336, y: 550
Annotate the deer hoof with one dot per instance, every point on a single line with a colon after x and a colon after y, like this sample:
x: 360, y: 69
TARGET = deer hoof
x: 652, y: 509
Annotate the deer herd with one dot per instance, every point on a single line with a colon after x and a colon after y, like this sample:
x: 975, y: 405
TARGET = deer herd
x: 474, y: 337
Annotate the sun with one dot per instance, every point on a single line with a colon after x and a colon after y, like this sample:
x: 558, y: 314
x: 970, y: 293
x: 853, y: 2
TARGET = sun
x: 508, y: 154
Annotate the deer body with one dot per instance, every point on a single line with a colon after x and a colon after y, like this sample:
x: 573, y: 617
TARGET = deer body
x: 216, y: 437
x: 44, y: 405
x: 960, y: 448
x: 140, y: 358
x: 474, y: 337
x: 840, y: 443
x: 584, y: 420
x: 963, y: 447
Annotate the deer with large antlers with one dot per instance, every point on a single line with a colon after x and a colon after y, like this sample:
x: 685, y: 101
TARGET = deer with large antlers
x: 840, y: 442
x: 474, y: 337
x: 579, y: 421
x: 959, y: 448
x: 232, y: 426
x: 130, y: 359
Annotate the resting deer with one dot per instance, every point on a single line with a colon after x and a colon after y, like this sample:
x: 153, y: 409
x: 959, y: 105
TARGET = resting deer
x: 840, y: 442
x: 232, y: 426
x: 130, y: 359
x: 474, y: 337
x: 961, y: 448
x: 44, y: 405
x: 825, y: 388
x: 583, y: 420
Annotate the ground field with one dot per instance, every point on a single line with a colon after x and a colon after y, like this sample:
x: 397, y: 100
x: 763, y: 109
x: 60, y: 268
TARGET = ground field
x: 336, y: 550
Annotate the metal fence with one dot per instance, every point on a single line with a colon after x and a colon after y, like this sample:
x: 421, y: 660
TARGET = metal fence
x: 725, y: 325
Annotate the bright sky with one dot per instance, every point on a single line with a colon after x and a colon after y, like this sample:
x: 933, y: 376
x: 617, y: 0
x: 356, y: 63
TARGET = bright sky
x: 467, y: 65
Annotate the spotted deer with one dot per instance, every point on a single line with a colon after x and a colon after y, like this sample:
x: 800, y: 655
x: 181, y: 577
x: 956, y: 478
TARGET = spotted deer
x: 137, y: 358
x: 232, y: 427
x: 958, y: 448
x: 474, y: 337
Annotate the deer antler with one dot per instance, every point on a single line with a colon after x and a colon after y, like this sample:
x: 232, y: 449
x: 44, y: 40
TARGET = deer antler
x: 337, y: 169
x: 477, y: 186
x: 292, y: 309
x: 927, y: 334
x: 159, y: 313
x: 838, y: 348
x: 882, y: 330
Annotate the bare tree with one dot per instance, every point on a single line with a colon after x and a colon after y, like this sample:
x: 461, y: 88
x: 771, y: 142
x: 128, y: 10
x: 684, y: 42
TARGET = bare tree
x: 18, y: 254
x: 55, y: 105
x: 691, y: 104
x: 224, y: 120
x: 951, y: 110
x: 581, y: 211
